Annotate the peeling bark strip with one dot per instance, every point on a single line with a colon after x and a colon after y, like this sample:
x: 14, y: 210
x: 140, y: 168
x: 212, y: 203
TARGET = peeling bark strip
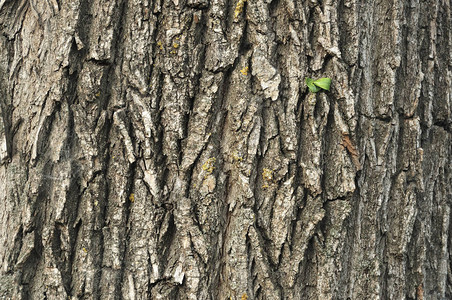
x: 171, y: 149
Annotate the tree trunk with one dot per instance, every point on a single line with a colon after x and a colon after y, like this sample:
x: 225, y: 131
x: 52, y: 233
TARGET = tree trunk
x: 171, y: 149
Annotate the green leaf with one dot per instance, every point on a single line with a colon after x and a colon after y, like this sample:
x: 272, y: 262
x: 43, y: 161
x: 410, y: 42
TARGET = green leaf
x: 323, y: 83
x: 311, y: 86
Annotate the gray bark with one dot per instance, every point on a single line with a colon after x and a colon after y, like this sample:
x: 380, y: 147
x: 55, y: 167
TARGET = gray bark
x: 171, y: 149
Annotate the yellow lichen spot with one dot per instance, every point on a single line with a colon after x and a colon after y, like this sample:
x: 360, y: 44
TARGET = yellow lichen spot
x: 84, y: 250
x: 244, y: 296
x: 173, y: 52
x: 267, y: 174
x: 175, y: 45
x: 132, y: 197
x: 244, y: 71
x: 160, y: 44
x: 96, y: 203
x: 209, y: 165
x: 98, y: 94
x: 239, y: 8
x: 236, y: 157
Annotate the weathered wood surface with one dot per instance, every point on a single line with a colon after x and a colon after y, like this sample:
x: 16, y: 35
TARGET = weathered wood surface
x: 171, y: 150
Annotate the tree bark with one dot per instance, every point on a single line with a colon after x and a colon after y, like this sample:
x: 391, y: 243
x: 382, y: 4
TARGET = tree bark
x: 171, y: 149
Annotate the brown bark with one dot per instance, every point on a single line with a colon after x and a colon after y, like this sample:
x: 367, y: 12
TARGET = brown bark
x: 171, y: 149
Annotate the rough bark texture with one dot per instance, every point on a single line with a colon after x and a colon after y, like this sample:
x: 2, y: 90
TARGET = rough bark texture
x: 171, y: 150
